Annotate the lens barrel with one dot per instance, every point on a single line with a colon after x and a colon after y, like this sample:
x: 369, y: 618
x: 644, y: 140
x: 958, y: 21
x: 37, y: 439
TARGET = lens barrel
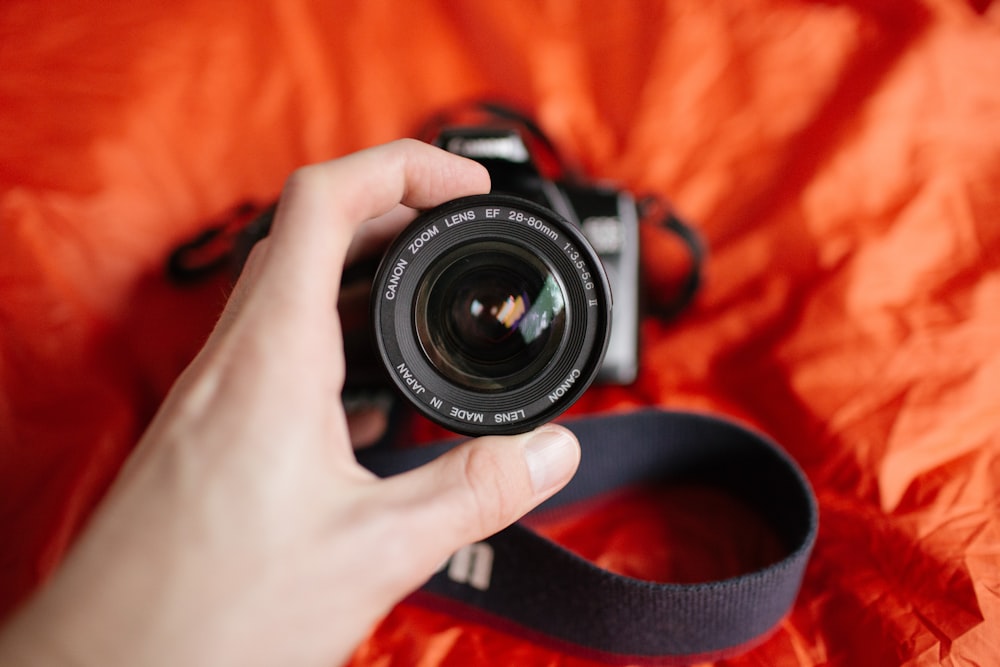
x: 491, y: 314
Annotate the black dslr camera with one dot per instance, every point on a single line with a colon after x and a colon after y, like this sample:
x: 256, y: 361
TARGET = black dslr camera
x: 493, y: 313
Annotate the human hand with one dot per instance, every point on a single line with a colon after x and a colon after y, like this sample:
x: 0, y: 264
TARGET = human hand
x: 242, y: 531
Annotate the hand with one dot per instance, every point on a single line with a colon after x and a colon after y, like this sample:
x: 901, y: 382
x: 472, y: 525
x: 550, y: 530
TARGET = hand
x: 242, y: 531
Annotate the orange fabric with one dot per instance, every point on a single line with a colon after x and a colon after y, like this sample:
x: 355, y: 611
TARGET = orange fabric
x: 842, y: 160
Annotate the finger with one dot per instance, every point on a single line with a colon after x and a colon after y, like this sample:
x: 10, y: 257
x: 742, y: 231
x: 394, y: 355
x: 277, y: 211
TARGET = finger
x: 481, y: 487
x: 375, y: 234
x: 244, y: 287
x: 324, y: 205
x: 370, y: 240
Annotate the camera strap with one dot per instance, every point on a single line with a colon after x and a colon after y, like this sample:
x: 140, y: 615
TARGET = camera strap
x: 526, y: 584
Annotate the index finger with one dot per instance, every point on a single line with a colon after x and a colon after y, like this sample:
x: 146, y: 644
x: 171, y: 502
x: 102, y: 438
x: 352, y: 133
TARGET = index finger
x: 323, y: 206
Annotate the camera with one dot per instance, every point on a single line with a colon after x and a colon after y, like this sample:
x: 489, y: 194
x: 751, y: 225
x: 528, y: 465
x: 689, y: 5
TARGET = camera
x: 493, y: 313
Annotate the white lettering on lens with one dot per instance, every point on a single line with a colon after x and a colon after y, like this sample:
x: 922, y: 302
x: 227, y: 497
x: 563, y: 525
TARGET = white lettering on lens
x: 565, y: 386
x: 507, y: 417
x: 457, y: 218
x: 465, y: 415
x: 424, y: 237
x: 410, y: 380
x: 533, y: 222
x: 397, y: 273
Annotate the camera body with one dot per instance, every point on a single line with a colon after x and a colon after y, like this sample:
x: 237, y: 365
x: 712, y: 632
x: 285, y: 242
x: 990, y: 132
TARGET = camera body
x: 608, y: 219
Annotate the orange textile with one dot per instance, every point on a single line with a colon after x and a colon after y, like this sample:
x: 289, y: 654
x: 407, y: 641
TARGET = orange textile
x: 841, y: 159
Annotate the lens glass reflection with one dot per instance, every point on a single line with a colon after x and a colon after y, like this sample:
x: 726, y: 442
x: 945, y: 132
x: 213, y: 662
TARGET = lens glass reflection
x: 491, y: 318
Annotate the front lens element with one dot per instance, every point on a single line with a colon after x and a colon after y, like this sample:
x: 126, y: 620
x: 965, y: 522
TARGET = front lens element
x: 490, y: 317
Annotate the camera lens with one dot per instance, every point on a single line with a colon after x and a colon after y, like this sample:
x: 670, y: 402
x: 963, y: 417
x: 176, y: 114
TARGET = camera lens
x: 491, y: 314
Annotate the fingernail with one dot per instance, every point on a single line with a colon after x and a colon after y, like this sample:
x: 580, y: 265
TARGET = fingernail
x: 552, y: 455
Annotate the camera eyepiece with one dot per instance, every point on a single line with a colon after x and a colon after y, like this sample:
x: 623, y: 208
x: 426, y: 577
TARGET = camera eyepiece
x: 491, y: 314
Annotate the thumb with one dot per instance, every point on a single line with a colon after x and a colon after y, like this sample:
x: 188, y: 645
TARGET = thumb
x: 482, y: 486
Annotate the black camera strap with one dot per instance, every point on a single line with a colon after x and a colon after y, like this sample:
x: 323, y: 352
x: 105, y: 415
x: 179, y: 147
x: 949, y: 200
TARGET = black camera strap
x: 526, y: 584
